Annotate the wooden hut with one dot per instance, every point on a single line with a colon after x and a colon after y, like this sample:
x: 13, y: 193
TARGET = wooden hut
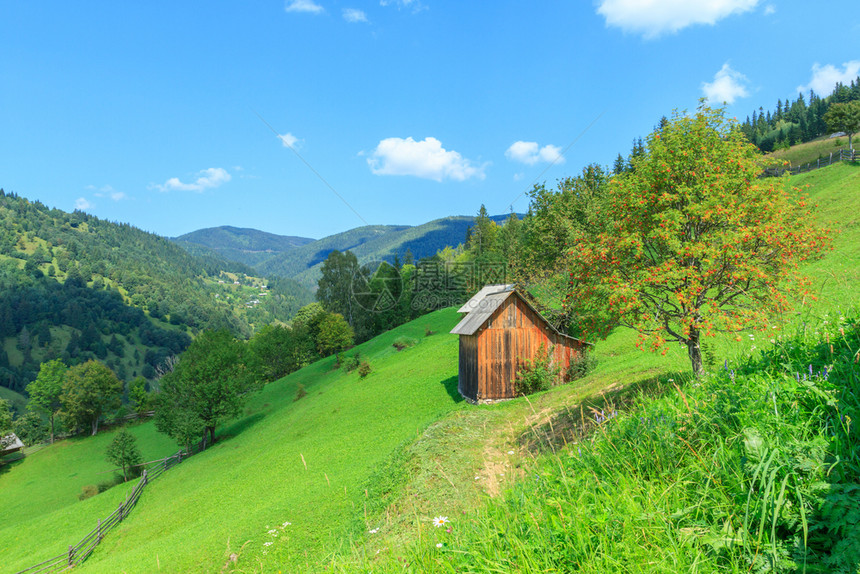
x: 12, y: 444
x: 499, y: 332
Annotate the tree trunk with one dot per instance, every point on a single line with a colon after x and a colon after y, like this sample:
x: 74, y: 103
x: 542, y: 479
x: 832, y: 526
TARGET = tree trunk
x: 52, y: 429
x: 211, y: 431
x: 694, y: 350
x: 95, y: 426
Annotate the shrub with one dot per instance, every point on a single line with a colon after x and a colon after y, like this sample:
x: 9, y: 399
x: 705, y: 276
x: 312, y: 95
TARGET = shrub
x: 364, y: 369
x: 538, y: 374
x: 580, y: 365
x: 88, y: 491
x: 351, y: 363
x: 401, y: 343
x: 428, y: 332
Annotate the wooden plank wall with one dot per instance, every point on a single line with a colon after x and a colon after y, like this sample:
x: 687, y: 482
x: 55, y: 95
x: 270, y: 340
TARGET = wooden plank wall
x: 511, y: 336
x: 468, y: 373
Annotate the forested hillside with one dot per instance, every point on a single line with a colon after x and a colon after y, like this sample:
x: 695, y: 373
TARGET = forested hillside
x: 249, y: 246
x: 75, y: 287
x: 268, y: 255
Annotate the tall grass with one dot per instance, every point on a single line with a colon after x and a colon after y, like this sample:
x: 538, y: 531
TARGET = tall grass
x: 753, y: 468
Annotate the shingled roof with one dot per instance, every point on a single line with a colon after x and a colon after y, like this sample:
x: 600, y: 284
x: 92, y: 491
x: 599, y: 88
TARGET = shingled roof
x: 12, y: 443
x: 481, y: 307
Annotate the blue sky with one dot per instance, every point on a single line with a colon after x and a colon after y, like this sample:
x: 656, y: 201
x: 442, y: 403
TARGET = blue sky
x: 183, y: 115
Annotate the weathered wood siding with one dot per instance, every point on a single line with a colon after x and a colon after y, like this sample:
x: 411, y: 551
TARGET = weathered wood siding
x: 512, y: 335
x: 468, y: 380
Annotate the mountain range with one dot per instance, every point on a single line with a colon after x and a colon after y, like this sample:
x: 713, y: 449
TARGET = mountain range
x: 301, y: 258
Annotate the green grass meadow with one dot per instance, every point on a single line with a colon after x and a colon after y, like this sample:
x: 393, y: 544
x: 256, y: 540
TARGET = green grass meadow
x: 306, y: 462
x: 687, y: 477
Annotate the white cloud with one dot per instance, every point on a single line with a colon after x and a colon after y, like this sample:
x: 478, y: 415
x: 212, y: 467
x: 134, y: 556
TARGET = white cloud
x: 354, y: 15
x: 82, y: 204
x: 728, y: 85
x: 306, y: 6
x: 108, y: 191
x: 769, y: 9
x: 825, y: 78
x: 652, y: 18
x: 426, y: 159
x: 207, y: 179
x: 288, y: 139
x: 531, y: 153
x: 415, y: 5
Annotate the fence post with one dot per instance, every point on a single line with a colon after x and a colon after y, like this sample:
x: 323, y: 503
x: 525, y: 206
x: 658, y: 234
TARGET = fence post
x: 99, y: 532
x: 120, y: 511
x: 71, y: 555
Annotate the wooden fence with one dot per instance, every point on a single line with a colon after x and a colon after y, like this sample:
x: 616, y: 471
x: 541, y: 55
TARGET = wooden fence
x: 79, y: 552
x: 835, y: 157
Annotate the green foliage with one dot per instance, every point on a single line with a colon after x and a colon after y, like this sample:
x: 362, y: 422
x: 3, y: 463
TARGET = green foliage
x: 213, y: 379
x: 82, y: 320
x: 5, y: 423
x: 123, y: 452
x: 141, y: 263
x: 401, y: 343
x: 334, y: 334
x: 844, y: 117
x: 280, y: 350
x: 30, y: 428
x: 138, y: 396
x: 798, y: 121
x: 364, y: 369
x: 335, y: 287
x: 45, y: 391
x: 538, y: 374
x: 352, y: 362
x: 581, y: 364
x: 661, y: 263
x: 90, y: 391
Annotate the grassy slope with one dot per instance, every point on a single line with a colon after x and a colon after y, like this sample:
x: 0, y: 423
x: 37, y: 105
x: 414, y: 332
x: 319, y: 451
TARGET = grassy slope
x: 255, y: 478
x: 516, y: 426
x: 39, y: 494
x: 810, y: 151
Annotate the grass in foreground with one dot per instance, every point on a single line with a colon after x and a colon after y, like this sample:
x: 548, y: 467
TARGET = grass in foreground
x: 755, y: 468
x: 403, y: 544
x: 303, y: 462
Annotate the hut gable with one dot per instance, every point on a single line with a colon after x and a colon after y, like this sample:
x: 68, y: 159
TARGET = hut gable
x: 500, y: 332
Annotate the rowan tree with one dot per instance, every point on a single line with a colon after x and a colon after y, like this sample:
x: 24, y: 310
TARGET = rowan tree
x: 692, y: 241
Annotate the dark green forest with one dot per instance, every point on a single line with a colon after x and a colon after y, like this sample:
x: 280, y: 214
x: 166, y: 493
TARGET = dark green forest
x: 75, y: 287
